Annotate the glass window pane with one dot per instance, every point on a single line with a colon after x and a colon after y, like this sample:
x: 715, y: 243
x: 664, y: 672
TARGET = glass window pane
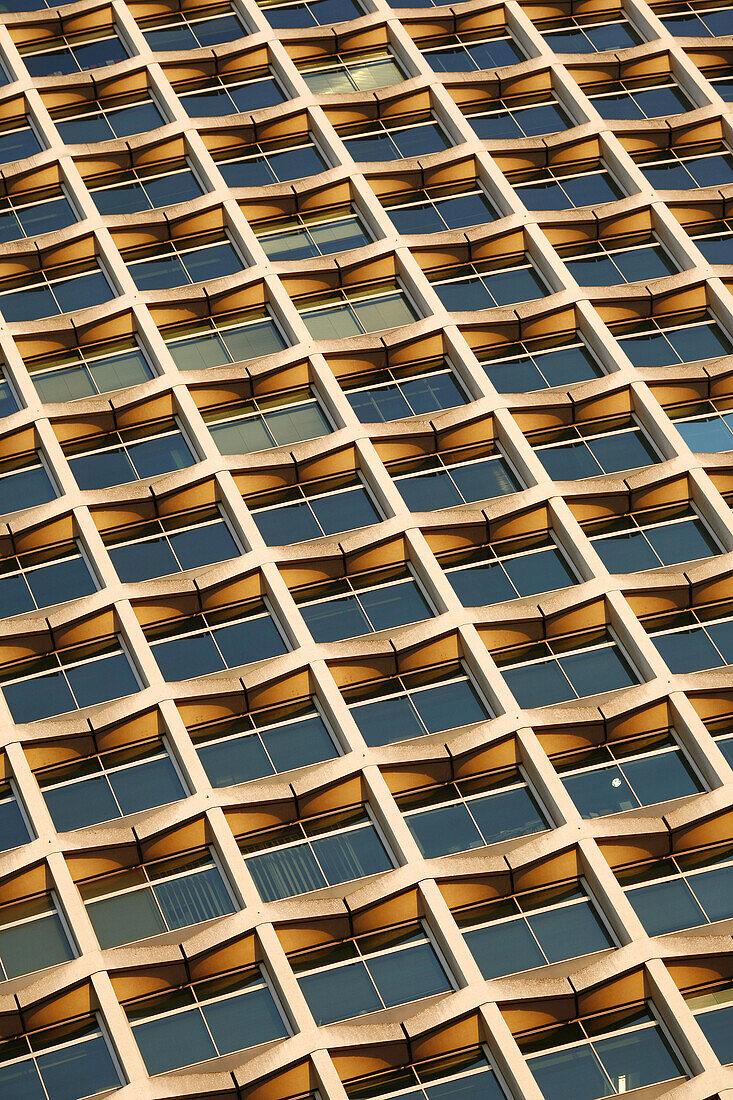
x: 602, y: 791
x: 298, y: 744
x: 666, y: 907
x: 505, y: 948
x: 151, y: 784
x: 351, y: 855
x: 714, y: 891
x: 444, y: 830
x: 140, y: 560
x: 234, y: 761
x: 76, y: 805
x: 97, y: 681
x: 193, y: 898
x: 182, y: 658
x: 387, y: 720
x: 125, y: 918
x: 507, y: 814
x: 77, y: 1071
x: 569, y: 932
x: 173, y: 1041
x: 13, y: 829
x: 408, y: 975
x: 598, y: 670
x: 538, y: 685
x: 339, y: 993
x: 334, y: 620
x: 637, y: 1058
x: 251, y: 640
x: 59, y: 581
x: 688, y: 650
x: 717, y: 1027
x: 575, y: 1072
x: 244, y: 1021
x: 285, y: 873
x: 34, y: 946
x: 661, y: 777
x: 345, y: 511
x: 40, y: 697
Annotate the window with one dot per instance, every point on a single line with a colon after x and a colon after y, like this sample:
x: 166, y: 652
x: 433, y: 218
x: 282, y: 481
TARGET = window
x: 603, y: 1055
x: 300, y: 238
x: 581, y: 37
x: 102, y: 122
x: 715, y: 246
x: 714, y: 1013
x: 655, y: 345
x: 524, y: 367
x: 708, y: 165
x: 206, y: 1019
x: 212, y: 641
x: 217, y: 341
x: 470, y: 813
x: 681, y: 891
x: 18, y: 142
x: 582, y: 450
x: 722, y: 731
x: 66, y: 54
x: 468, y: 1073
x: 622, y: 101
x: 8, y: 401
x: 483, y: 286
x: 373, y: 971
x: 394, y: 395
x: 518, y: 120
x: 705, y: 428
x: 696, y: 639
x: 109, y: 785
x: 352, y: 606
x: 33, y: 936
x: 314, y: 853
x: 264, y: 742
x: 356, y: 311
x: 315, y: 13
x: 689, y: 22
x: 87, y: 371
x: 264, y: 422
x: 435, y: 211
x: 353, y: 72
x: 308, y: 511
x: 20, y: 218
x: 260, y: 164
x: 416, y: 704
x: 649, y: 540
x: 724, y: 87
x: 40, y: 578
x: 600, y: 264
x: 379, y: 142
x: 176, y: 263
x: 67, y: 679
x: 624, y: 775
x: 171, y: 544
x: 218, y: 97
x: 183, y: 33
x: 534, y: 928
x: 434, y: 482
x: 553, y: 189
x: 65, y: 1062
x: 14, y: 827
x: 47, y: 293
x: 25, y: 482
x: 508, y: 571
x: 131, y: 191
x: 130, y: 454
x: 545, y: 672
x: 463, y: 53
x: 167, y: 894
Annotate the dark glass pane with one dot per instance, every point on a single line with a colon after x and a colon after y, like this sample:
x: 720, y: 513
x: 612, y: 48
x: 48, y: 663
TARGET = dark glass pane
x: 483, y: 480
x: 408, y: 975
x: 387, y: 720
x: 13, y: 829
x: 567, y: 366
x: 151, y: 784
x: 285, y: 873
x: 46, y: 217
x: 97, y: 681
x: 244, y: 1021
x: 335, y: 620
x: 501, y: 949
x: 160, y: 455
x: 717, y: 1027
x: 520, y: 285
x: 258, y: 94
x: 102, y: 469
x: 77, y: 1071
x: 298, y: 744
x: 638, y: 1058
x: 604, y: 791
x: 249, y: 640
x: 626, y: 553
x: 204, y: 545
x: 464, y: 210
x: 28, y: 305
x: 292, y: 523
x: 538, y: 685
x: 622, y: 451
x: 94, y: 55
x: 569, y: 932
x: 656, y: 102
x: 688, y: 650
x: 182, y: 658
x: 395, y: 605
x: 59, y: 581
x: 539, y: 572
x: 598, y: 670
x: 20, y: 1081
x: 572, y: 1073
x: 84, y: 291
x: 31, y: 700
x: 15, y: 596
x: 506, y: 815
x: 680, y: 542
x: 126, y: 918
x: 444, y: 830
x: 139, y: 118
x: 234, y: 761
x: 666, y: 907
x: 714, y: 891
x: 193, y: 898
x: 351, y: 855
x: 140, y: 560
x: 174, y: 1041
x: 449, y: 705
x: 482, y: 584
x: 660, y: 778
x: 569, y: 462
x: 34, y: 946
x: 77, y: 805
x: 340, y: 993
x: 429, y: 491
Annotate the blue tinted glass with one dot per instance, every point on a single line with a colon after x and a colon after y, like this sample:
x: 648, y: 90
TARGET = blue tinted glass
x: 97, y: 681
x: 153, y: 783
x: 688, y: 650
x: 538, y: 685
x: 181, y: 658
x: 250, y: 640
x: 77, y: 805
x: 234, y: 761
x: 193, y: 898
x: 717, y: 1027
x: 160, y: 455
x: 504, y: 948
x: 15, y: 596
x: 140, y: 118
x: 292, y: 523
x: 443, y: 830
x: 140, y: 560
x: 255, y: 96
x: 173, y: 1041
x: 408, y: 975
x: 91, y: 289
x: 203, y: 545
x: 102, y: 469
x: 79, y: 1070
x: 58, y: 581
x: 13, y: 829
x: 244, y: 1021
x: 339, y: 994
x: 25, y: 488
x: 46, y: 217
x: 41, y: 697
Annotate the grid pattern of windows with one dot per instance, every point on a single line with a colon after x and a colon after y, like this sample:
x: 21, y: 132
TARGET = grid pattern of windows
x: 366, y: 612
